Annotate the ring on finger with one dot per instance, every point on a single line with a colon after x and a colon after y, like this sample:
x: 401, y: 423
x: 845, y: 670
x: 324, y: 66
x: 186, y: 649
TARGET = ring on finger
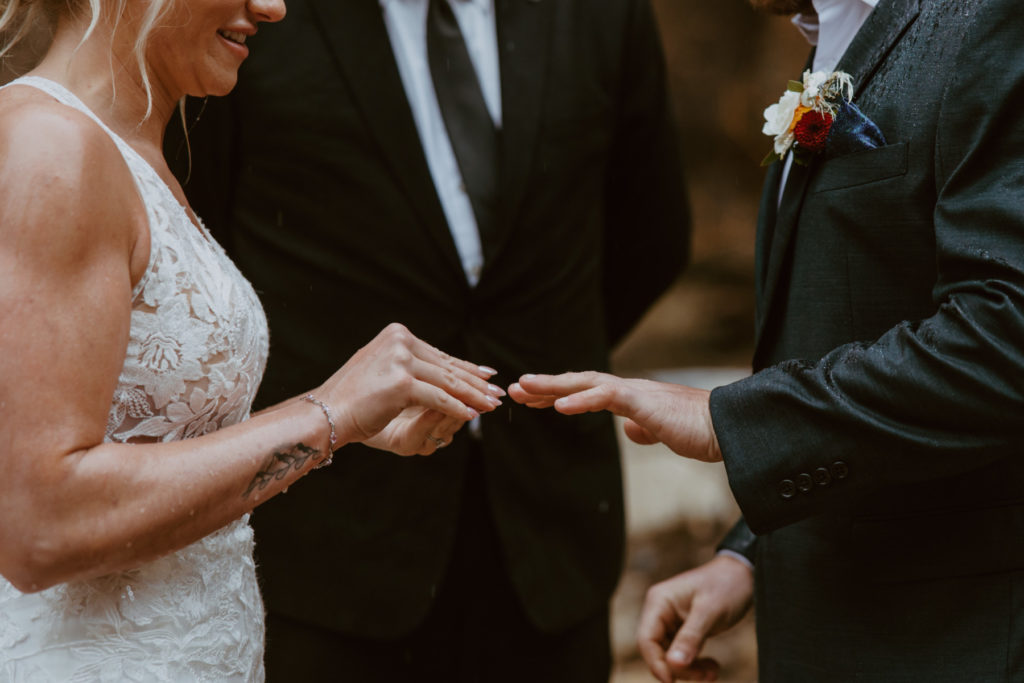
x: 439, y: 443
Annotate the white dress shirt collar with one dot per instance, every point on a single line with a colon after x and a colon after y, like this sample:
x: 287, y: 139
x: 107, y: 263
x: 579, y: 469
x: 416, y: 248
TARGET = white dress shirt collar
x: 833, y: 27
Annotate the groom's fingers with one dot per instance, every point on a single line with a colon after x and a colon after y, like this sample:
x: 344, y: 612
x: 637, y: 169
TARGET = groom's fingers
x: 617, y: 396
x: 564, y: 384
x: 652, y: 637
x: 638, y: 434
x: 689, y: 641
x: 520, y: 395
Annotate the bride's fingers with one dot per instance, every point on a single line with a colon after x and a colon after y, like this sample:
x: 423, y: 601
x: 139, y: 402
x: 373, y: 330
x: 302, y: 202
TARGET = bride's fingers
x: 473, y: 375
x: 470, y: 390
x: 478, y: 382
x: 436, y: 434
x: 428, y: 395
x: 424, y: 427
x: 432, y: 354
x: 445, y: 431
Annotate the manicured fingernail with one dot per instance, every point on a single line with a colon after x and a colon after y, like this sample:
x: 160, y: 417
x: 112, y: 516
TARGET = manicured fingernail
x: 488, y: 371
x: 473, y: 414
x: 496, y: 390
x: 529, y: 376
x: 678, y: 656
x: 493, y: 401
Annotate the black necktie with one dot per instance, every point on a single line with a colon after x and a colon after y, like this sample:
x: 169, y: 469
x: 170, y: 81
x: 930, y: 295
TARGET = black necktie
x: 469, y: 124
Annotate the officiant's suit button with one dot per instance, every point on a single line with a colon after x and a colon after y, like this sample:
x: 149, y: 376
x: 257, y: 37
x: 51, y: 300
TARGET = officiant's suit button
x: 840, y: 470
x: 804, y: 483
x: 787, y: 488
x: 822, y: 477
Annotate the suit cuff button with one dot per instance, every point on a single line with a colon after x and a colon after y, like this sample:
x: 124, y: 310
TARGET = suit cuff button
x: 787, y: 488
x: 822, y: 477
x: 840, y: 470
x: 804, y: 483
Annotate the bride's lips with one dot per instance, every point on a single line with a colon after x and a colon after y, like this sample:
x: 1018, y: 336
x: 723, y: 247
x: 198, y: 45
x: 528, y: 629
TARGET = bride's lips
x: 235, y: 40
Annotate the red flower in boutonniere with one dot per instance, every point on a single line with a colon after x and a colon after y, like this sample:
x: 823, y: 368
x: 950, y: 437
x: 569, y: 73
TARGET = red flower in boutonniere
x: 802, y: 119
x: 812, y: 130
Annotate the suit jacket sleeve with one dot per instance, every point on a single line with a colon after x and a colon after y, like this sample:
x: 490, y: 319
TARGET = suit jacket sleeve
x: 740, y: 540
x: 647, y: 227
x: 930, y: 398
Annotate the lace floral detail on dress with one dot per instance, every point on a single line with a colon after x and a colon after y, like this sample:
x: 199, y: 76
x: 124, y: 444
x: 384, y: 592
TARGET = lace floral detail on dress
x: 198, y: 340
x: 196, y: 352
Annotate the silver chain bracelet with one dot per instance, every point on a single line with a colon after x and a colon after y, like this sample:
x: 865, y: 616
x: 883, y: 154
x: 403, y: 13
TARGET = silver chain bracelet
x: 330, y: 421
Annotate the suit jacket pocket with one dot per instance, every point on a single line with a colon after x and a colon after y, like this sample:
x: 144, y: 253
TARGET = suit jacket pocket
x: 942, y: 544
x: 860, y: 168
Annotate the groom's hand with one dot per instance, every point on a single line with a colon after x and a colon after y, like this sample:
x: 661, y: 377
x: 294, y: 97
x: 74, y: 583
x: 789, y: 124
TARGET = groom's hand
x: 675, y: 415
x: 680, y: 614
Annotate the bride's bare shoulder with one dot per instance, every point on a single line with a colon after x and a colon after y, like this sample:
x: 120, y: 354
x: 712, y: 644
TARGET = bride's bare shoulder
x: 56, y: 161
x: 38, y: 132
x: 50, y: 148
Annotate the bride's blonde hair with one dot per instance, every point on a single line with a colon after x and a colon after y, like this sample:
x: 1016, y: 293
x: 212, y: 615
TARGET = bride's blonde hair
x: 18, y: 18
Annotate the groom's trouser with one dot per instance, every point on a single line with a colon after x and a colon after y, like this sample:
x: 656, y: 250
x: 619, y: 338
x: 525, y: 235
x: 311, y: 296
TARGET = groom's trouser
x: 476, y: 631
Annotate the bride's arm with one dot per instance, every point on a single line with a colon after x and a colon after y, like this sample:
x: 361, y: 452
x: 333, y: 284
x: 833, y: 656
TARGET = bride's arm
x: 72, y: 230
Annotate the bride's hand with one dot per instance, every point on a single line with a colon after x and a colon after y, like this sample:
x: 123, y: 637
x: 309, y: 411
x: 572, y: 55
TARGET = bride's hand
x: 397, y: 371
x: 416, y: 431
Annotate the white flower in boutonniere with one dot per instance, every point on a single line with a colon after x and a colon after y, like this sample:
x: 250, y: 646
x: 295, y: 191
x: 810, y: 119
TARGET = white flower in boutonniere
x: 802, y: 118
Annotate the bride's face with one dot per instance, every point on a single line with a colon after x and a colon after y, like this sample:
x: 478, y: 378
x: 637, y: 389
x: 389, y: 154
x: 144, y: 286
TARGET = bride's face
x: 198, y: 47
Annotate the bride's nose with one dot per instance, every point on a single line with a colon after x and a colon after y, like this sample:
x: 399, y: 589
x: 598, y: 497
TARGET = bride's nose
x: 267, y: 10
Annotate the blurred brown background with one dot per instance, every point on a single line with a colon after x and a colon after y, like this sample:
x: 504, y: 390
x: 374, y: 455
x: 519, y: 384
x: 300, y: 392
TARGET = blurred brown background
x: 726, y: 64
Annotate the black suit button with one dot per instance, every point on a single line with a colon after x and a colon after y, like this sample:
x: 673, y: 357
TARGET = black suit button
x: 787, y: 489
x: 804, y: 483
x: 822, y: 477
x: 840, y: 470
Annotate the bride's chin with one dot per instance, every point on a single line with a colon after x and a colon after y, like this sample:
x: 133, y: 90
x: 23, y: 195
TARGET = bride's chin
x: 218, y: 87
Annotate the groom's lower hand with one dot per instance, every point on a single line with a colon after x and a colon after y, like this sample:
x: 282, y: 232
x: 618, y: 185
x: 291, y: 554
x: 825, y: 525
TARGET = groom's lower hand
x: 675, y: 415
x: 681, y: 613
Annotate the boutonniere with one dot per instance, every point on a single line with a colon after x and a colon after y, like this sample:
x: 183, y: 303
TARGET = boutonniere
x: 816, y: 113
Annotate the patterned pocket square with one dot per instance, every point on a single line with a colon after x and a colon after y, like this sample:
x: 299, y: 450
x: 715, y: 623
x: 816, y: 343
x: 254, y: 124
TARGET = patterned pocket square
x: 852, y: 131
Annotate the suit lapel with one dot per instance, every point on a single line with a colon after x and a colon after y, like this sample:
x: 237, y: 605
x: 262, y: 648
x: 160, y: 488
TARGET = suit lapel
x: 873, y: 42
x: 359, y: 40
x: 523, y: 45
x: 767, y: 217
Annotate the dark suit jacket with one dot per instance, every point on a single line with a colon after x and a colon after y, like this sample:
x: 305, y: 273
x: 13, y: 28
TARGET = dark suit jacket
x: 879, y: 453
x: 325, y: 201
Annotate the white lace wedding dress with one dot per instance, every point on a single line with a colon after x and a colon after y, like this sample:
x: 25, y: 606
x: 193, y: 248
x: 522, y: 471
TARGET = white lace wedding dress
x: 196, y: 353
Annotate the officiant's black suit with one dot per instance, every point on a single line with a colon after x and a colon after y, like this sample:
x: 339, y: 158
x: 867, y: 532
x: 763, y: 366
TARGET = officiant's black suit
x: 322, y: 193
x: 881, y: 454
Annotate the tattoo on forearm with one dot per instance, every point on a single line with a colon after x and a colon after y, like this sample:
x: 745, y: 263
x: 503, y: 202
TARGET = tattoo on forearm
x: 280, y: 464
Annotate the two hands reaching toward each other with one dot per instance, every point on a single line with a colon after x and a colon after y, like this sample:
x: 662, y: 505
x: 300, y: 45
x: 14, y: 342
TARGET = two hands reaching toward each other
x: 400, y: 394
x: 672, y: 414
